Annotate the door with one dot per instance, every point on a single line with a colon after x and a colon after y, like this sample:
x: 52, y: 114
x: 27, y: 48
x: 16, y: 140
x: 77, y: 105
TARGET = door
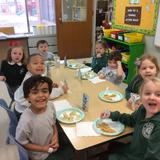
x: 74, y: 28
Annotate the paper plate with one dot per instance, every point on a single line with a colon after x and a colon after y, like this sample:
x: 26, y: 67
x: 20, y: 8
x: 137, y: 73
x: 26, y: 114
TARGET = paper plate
x: 50, y: 63
x: 88, y: 75
x: 74, y: 65
x: 111, y: 96
x: 70, y: 115
x: 108, y: 127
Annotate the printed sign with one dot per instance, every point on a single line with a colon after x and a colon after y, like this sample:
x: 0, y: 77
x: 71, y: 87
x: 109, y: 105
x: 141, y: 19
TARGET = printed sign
x: 133, y: 15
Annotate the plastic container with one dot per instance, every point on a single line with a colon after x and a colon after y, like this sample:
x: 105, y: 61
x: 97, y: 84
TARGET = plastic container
x: 114, y: 34
x: 107, y: 32
x: 121, y: 36
x: 133, y: 37
x: 125, y: 57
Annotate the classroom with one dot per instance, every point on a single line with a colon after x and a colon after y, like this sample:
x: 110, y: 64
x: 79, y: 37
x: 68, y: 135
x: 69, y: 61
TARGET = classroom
x: 79, y: 79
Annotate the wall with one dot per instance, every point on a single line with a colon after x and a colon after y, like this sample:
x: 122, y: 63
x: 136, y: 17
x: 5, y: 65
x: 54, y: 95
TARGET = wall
x: 151, y: 48
x: 148, y: 40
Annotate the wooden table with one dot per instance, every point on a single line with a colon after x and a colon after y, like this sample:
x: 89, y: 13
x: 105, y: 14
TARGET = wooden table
x: 96, y: 106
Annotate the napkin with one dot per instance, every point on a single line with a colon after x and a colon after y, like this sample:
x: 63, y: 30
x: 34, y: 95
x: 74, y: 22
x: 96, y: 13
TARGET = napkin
x: 86, y: 69
x: 61, y: 104
x: 85, y: 129
x: 96, y: 80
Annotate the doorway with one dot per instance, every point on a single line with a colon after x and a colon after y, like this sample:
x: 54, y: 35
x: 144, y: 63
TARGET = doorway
x: 74, y: 28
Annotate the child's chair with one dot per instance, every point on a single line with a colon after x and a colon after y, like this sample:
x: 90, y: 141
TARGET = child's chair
x: 13, y: 150
x: 5, y: 94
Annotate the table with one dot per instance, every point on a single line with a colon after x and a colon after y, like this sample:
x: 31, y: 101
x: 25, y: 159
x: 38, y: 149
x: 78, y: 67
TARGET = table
x: 96, y: 106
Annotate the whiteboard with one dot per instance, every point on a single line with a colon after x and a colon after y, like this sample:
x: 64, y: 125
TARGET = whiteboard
x: 157, y: 36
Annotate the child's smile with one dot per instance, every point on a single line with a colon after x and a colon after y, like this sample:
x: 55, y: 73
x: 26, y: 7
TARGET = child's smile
x: 39, y: 97
x: 151, y: 98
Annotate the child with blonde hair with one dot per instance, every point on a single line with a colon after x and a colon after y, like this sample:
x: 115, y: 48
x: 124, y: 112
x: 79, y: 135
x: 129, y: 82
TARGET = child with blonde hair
x: 13, y: 68
x: 146, y: 122
x: 99, y: 60
x: 147, y: 68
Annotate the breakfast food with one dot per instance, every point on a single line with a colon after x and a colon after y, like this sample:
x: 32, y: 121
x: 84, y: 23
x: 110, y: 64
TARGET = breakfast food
x: 109, y: 96
x: 105, y: 127
x: 70, y: 116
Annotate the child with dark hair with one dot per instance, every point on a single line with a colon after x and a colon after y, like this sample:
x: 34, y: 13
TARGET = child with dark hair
x: 113, y: 71
x: 42, y: 46
x: 37, y: 130
x: 13, y: 67
x: 35, y: 66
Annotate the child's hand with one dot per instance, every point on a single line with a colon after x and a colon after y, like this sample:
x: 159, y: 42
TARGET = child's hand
x: 105, y: 114
x: 98, y: 55
x: 2, y: 78
x: 64, y: 86
x: 45, y: 148
x: 55, y: 85
x: 134, y: 106
x: 54, y: 144
x: 137, y: 105
x: 119, y: 63
x: 101, y: 76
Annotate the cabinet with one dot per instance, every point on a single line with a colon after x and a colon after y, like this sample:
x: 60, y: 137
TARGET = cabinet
x: 134, y: 50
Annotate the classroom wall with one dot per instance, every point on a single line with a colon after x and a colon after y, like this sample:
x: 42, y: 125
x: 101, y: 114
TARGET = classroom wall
x: 151, y: 48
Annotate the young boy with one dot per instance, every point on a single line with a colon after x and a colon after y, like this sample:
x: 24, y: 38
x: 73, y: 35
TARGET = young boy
x: 113, y: 72
x: 35, y: 66
x: 42, y: 47
x: 146, y: 122
x: 37, y: 130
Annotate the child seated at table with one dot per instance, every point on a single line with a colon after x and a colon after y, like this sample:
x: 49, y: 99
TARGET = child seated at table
x: 146, y: 122
x: 99, y: 60
x: 113, y: 71
x: 42, y: 46
x: 37, y: 130
x: 13, y: 67
x: 35, y: 66
x: 147, y: 67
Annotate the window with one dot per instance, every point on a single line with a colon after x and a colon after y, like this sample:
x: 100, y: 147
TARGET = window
x: 24, y: 14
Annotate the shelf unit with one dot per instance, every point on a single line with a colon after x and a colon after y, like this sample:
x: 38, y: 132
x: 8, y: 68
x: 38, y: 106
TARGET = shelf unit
x: 135, y: 50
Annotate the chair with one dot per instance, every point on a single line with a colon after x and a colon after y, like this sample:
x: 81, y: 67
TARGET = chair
x: 12, y: 116
x: 4, y: 94
x: 12, y: 129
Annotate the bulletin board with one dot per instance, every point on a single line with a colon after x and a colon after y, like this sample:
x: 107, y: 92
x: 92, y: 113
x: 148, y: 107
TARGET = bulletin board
x: 136, y: 15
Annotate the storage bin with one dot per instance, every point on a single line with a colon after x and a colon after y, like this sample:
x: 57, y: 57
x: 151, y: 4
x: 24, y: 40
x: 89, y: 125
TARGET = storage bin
x: 114, y: 34
x: 121, y: 36
x: 107, y: 32
x: 125, y: 57
x: 133, y: 37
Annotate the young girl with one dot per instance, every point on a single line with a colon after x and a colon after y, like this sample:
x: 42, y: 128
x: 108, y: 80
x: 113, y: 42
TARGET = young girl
x: 13, y: 68
x: 37, y: 130
x: 146, y: 123
x: 147, y: 68
x: 99, y: 60
x: 42, y: 46
x: 113, y: 72
x: 35, y: 66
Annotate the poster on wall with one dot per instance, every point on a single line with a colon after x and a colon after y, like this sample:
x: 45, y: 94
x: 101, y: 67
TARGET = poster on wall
x: 136, y: 15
